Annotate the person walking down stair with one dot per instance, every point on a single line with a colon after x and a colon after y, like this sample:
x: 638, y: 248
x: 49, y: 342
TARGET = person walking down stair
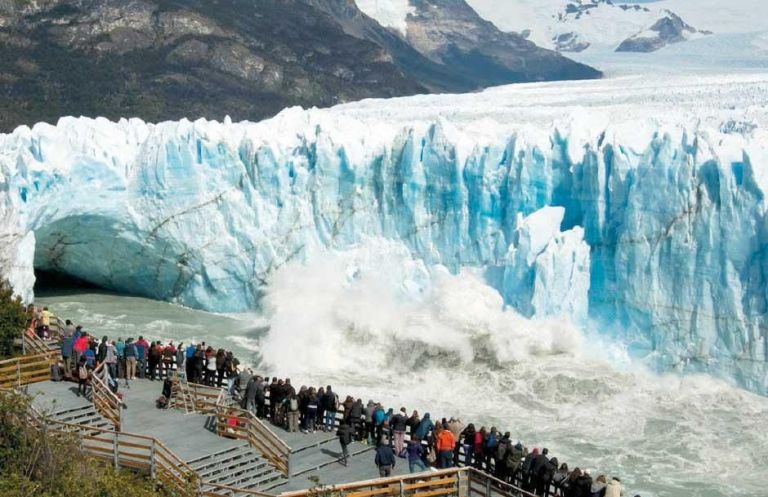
x: 345, y: 438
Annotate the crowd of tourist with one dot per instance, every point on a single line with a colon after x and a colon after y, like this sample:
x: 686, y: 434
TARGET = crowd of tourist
x: 421, y: 441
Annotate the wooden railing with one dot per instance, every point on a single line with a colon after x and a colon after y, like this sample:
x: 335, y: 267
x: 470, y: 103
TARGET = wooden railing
x: 459, y: 482
x: 233, y: 422
x: 126, y: 450
x: 105, y: 402
x: 205, y: 398
x: 26, y: 369
x: 446, y: 482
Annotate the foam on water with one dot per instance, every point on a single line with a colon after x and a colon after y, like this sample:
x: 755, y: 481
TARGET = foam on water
x: 377, y: 323
x: 374, y: 322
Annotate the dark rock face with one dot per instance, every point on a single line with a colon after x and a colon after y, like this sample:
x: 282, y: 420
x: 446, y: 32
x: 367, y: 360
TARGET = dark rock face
x: 669, y: 29
x: 452, y: 33
x: 569, y: 42
x: 170, y: 59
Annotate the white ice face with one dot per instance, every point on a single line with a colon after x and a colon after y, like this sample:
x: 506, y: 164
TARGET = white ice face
x: 638, y: 202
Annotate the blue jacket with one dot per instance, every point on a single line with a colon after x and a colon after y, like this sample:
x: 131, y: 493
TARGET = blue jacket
x: 425, y: 426
x: 66, y: 347
x: 140, y: 352
x: 130, y: 350
x: 90, y: 357
x: 191, y: 351
x: 120, y: 349
x: 378, y: 417
x: 415, y: 451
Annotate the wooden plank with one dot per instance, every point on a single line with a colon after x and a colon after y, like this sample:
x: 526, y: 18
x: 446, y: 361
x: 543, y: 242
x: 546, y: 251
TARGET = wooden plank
x: 133, y: 445
x: 391, y: 489
x: 96, y: 448
x: 135, y: 455
x: 439, y: 491
x: 134, y: 464
x: 431, y: 483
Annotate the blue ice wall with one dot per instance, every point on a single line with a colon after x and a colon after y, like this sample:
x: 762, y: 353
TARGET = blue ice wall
x: 202, y: 213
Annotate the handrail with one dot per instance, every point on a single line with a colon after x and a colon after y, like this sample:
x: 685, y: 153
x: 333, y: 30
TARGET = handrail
x: 104, y: 400
x: 145, y: 454
x: 26, y: 369
x: 439, y: 478
x: 481, y: 475
x: 258, y: 435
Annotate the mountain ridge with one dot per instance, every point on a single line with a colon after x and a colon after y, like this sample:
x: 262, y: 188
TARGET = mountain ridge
x: 190, y: 58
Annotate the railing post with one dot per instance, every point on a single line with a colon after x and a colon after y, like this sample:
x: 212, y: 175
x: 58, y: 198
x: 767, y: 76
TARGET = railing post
x: 116, y: 449
x: 18, y: 373
x: 487, y: 487
x: 402, y: 488
x: 152, y: 463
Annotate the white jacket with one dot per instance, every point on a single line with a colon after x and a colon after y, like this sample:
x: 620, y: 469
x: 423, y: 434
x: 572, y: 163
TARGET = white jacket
x: 613, y: 489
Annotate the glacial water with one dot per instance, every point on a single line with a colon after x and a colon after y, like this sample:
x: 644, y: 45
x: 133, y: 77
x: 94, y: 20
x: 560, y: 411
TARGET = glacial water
x: 367, y: 325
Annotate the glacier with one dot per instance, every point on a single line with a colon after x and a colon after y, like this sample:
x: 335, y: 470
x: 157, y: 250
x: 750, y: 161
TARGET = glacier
x: 633, y: 206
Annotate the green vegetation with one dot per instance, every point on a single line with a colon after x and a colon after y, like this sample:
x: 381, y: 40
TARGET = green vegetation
x: 13, y: 319
x: 34, y: 463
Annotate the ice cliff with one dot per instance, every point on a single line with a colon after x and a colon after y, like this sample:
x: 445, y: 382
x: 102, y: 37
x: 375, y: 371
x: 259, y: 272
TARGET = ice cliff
x: 636, y: 213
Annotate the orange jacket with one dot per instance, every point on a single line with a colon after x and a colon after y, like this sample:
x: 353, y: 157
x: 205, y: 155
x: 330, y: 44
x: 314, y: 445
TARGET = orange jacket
x: 445, y: 441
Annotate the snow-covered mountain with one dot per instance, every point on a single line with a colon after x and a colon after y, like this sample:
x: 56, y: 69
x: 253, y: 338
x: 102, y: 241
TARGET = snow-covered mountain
x: 452, y: 34
x: 609, y: 25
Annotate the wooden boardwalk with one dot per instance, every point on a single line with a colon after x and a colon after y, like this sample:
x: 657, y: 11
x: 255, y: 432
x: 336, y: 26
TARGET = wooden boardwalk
x: 192, y: 436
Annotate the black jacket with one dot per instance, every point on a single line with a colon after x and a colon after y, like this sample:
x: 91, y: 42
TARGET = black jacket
x: 385, y: 456
x: 345, y: 434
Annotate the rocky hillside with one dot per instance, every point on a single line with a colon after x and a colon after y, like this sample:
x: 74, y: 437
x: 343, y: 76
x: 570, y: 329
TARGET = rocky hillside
x: 169, y: 59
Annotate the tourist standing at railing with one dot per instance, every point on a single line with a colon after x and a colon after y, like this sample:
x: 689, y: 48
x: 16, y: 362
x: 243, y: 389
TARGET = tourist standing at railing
x: 399, y: 424
x: 168, y: 360
x: 131, y: 359
x: 101, y: 350
x: 110, y: 359
x: 543, y: 476
x: 330, y: 404
x: 444, y: 445
x: 613, y: 488
x: 320, y: 397
x: 425, y: 428
x: 514, y: 462
x: 80, y: 344
x: 370, y: 427
x: 526, y: 470
x: 69, y: 329
x: 538, y: 466
x: 456, y: 425
x: 220, y: 367
x: 66, y: 354
x: 309, y: 426
x: 120, y: 351
x: 378, y: 423
x: 559, y: 477
x: 292, y: 408
x: 210, y: 367
x: 598, y: 488
x: 468, y: 438
x: 500, y: 464
x: 142, y: 353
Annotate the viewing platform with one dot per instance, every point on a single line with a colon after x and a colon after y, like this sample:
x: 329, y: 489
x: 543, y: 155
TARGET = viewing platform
x: 203, y: 444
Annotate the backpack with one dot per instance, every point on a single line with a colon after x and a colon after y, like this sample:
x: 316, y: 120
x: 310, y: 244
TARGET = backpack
x: 294, y: 404
x: 56, y: 373
x: 82, y: 373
